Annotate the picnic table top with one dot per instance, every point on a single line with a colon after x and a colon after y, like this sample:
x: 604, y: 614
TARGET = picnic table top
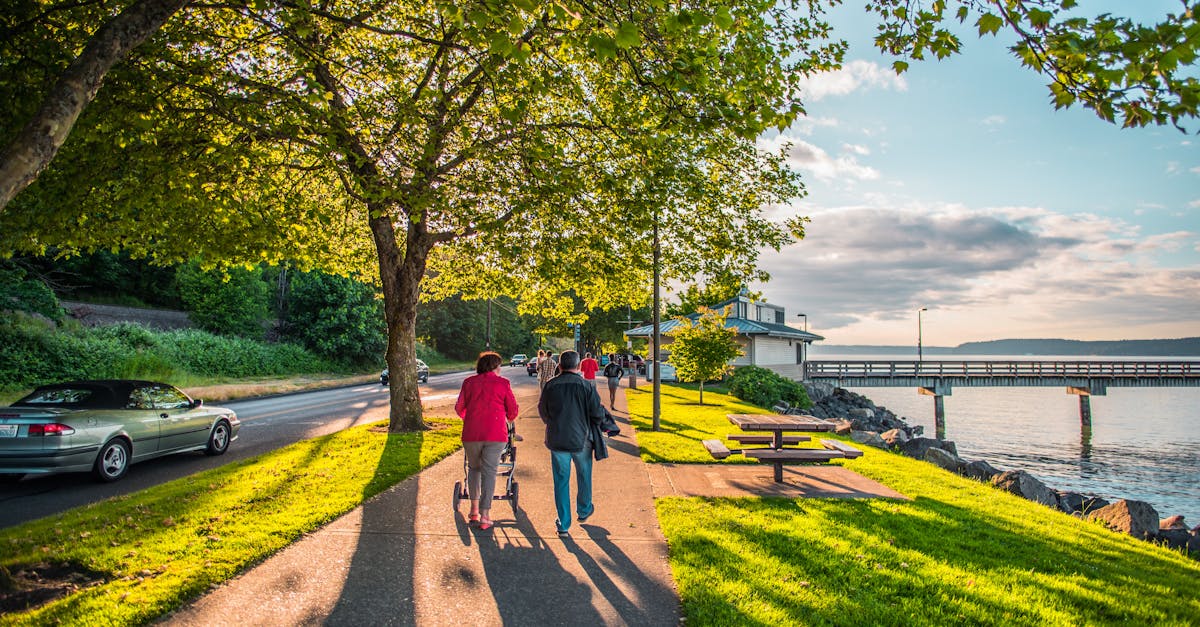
x: 779, y: 422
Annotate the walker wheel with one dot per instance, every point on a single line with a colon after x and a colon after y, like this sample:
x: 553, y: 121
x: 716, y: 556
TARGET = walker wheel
x: 457, y: 494
x: 512, y: 495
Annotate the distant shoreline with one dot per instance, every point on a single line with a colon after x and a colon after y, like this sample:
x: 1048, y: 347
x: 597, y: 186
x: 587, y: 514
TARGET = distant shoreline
x: 1183, y: 347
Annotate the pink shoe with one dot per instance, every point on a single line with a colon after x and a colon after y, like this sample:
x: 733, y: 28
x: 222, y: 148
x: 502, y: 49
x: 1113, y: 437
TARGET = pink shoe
x: 485, y: 524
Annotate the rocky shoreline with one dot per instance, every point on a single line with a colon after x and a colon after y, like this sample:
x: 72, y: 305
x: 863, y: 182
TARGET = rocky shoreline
x: 872, y: 425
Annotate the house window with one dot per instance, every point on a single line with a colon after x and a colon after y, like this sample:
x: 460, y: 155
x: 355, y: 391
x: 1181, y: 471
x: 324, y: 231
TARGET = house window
x: 778, y: 317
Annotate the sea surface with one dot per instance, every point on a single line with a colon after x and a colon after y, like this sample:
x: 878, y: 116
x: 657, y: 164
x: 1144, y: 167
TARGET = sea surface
x: 1144, y: 443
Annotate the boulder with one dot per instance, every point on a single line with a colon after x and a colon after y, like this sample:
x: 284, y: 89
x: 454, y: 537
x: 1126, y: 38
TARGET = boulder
x: 862, y: 412
x: 979, y: 470
x: 1076, y: 503
x: 842, y: 427
x: 1172, y: 522
x: 1136, y: 518
x: 1174, y: 538
x: 869, y: 438
x: 1193, y: 544
x: 894, y: 437
x: 1026, y: 485
x: 944, y: 459
x: 916, y: 447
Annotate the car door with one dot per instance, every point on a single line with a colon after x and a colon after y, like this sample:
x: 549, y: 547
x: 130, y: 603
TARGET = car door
x: 181, y: 425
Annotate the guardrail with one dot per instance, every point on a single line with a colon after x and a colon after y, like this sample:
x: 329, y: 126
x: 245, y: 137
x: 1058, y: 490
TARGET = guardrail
x: 978, y: 368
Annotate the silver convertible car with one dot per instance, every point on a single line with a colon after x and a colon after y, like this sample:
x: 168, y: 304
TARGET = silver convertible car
x: 104, y: 426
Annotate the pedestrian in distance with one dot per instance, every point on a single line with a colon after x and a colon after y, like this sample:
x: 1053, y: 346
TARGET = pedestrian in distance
x: 546, y: 369
x: 487, y: 406
x: 613, y: 372
x: 572, y: 410
x: 589, y: 366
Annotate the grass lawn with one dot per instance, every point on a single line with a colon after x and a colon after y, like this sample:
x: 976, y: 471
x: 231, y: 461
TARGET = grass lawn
x: 958, y: 552
x: 158, y: 548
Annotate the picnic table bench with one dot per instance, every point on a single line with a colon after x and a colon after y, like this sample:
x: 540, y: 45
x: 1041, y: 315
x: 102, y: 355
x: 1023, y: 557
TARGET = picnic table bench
x: 776, y: 450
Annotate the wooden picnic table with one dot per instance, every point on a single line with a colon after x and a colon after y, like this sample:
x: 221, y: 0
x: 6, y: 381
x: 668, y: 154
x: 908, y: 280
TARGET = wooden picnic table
x: 777, y: 452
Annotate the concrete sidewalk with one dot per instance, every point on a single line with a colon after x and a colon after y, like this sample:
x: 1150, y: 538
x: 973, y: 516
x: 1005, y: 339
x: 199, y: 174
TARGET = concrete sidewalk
x: 407, y: 558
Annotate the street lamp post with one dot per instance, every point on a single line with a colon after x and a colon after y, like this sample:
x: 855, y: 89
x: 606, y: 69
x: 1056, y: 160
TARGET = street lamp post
x: 803, y: 349
x: 489, y: 325
x: 920, y: 356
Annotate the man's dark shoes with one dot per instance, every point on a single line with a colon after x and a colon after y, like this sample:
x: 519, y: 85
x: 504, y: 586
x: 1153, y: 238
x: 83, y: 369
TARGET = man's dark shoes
x: 588, y: 515
x: 562, y: 533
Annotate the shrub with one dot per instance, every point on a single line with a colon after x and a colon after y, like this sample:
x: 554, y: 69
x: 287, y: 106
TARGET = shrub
x: 766, y: 388
x: 229, y: 303
x: 18, y: 293
x: 336, y: 317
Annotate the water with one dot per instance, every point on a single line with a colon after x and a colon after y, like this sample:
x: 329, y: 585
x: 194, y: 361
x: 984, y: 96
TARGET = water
x: 1144, y: 445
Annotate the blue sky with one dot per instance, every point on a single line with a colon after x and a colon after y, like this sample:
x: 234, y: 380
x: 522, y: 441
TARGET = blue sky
x: 959, y: 188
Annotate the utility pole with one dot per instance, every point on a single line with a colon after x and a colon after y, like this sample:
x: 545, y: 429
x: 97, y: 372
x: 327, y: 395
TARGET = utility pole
x: 489, y: 325
x: 654, y: 341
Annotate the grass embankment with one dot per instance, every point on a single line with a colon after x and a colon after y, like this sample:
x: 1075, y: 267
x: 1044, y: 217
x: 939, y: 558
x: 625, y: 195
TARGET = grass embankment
x: 160, y: 547
x: 958, y: 552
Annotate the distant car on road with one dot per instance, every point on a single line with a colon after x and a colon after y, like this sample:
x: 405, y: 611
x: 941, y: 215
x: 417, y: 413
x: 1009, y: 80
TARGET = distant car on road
x: 531, y: 367
x: 422, y: 374
x: 518, y: 360
x: 104, y: 426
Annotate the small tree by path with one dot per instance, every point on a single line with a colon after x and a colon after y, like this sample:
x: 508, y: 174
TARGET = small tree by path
x: 701, y: 350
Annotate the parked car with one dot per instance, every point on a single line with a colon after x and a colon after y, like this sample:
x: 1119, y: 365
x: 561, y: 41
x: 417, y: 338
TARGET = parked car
x: 422, y: 374
x: 104, y: 426
x: 518, y: 360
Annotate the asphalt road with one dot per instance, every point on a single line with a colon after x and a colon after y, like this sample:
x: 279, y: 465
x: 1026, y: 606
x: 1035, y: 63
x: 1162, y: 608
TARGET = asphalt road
x: 267, y: 424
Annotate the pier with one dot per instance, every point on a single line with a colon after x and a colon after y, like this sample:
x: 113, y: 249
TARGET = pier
x: 938, y: 378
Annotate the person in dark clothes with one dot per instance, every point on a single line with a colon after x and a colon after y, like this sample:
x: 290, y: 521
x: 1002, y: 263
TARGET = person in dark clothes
x: 570, y: 406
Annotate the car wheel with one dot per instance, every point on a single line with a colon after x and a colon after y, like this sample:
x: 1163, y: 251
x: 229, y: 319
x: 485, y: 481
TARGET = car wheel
x: 218, y: 440
x: 113, y: 461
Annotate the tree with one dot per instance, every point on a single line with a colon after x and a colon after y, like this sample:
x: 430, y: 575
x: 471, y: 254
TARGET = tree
x: 701, y: 350
x: 336, y: 317
x: 457, y: 133
x: 35, y: 145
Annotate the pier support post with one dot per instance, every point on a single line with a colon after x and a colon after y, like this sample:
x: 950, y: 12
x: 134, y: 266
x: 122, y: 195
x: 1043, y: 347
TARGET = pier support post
x: 1085, y: 403
x: 939, y: 408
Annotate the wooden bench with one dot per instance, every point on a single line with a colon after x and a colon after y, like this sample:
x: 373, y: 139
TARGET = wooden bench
x: 751, y: 438
x: 716, y: 449
x: 777, y: 458
x: 849, y: 451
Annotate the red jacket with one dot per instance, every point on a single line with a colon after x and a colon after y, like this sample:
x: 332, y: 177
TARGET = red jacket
x: 485, y: 402
x: 589, y: 367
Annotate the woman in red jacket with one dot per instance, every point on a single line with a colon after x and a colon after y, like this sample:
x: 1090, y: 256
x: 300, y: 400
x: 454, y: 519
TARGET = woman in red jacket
x: 486, y: 404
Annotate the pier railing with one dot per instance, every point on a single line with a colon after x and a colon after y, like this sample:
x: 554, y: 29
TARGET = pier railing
x: 1022, y: 369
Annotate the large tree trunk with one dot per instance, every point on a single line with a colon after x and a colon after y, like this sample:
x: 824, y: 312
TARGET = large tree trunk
x: 401, y: 273
x: 37, y: 143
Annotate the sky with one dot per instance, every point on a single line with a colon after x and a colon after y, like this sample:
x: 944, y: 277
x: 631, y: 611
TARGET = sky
x: 958, y: 188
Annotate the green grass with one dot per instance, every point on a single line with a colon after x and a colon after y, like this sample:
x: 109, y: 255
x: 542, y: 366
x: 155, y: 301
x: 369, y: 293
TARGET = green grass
x: 958, y: 552
x: 160, y: 547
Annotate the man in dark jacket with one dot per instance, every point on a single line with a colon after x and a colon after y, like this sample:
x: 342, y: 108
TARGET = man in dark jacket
x: 570, y: 406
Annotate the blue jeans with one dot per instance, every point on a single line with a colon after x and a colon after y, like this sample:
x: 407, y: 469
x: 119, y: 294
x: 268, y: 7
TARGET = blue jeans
x: 560, y: 467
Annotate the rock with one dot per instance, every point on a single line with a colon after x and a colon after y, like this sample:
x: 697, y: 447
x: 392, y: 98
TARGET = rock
x: 869, y: 438
x: 1070, y: 502
x: 980, y: 470
x: 843, y: 427
x: 1026, y: 485
x: 862, y: 412
x: 1136, y: 518
x: 1174, y: 538
x: 916, y: 447
x: 1193, y: 544
x: 944, y: 459
x: 895, y: 437
x: 1172, y: 522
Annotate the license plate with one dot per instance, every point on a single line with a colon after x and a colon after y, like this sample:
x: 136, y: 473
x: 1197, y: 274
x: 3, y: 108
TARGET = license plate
x: 8, y: 431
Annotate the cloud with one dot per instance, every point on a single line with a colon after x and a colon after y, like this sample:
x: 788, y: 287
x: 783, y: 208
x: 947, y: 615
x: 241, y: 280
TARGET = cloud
x: 811, y: 160
x: 994, y: 120
x: 1195, y: 170
x: 854, y: 76
x: 862, y: 272
x: 1195, y: 204
x: 856, y: 149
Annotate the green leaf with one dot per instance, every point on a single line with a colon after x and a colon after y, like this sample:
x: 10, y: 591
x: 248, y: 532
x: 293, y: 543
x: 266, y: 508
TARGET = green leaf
x: 900, y: 67
x: 723, y: 19
x: 1039, y: 19
x: 989, y: 23
x: 628, y: 36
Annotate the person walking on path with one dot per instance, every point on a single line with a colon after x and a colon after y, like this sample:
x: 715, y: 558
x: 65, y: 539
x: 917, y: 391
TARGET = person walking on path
x: 546, y: 368
x: 613, y: 372
x: 488, y: 407
x: 588, y: 367
x: 570, y: 407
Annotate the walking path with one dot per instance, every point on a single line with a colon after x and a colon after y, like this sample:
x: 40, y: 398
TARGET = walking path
x: 406, y: 558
